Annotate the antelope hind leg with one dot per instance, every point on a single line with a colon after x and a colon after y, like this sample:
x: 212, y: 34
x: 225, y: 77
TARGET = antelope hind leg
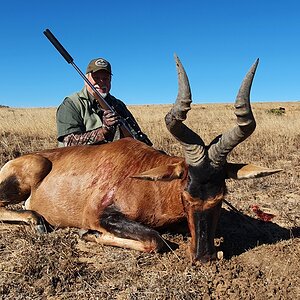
x: 27, y: 216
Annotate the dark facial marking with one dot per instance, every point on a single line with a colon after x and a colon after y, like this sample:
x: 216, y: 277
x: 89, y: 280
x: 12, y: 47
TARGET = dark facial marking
x: 205, y: 226
x: 205, y: 182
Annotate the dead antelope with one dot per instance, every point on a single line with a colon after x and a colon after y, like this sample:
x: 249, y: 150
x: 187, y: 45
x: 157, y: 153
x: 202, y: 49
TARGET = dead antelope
x: 125, y: 189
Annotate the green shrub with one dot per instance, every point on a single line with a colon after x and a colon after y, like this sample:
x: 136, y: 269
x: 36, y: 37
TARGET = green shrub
x: 276, y: 111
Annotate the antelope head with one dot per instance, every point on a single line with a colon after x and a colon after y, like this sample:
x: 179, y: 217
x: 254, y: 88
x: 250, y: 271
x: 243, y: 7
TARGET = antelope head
x: 207, y: 165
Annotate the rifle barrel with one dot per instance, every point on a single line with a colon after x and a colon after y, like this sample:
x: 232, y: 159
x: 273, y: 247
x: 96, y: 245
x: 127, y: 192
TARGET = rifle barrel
x: 65, y: 54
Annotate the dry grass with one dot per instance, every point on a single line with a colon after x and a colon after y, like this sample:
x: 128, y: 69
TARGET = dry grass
x: 59, y: 266
x: 276, y: 138
x: 25, y: 130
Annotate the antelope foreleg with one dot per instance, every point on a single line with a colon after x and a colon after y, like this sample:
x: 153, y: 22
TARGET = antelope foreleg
x: 117, y: 230
x: 112, y: 240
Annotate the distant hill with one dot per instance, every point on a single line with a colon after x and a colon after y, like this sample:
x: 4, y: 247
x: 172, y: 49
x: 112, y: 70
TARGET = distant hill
x: 3, y: 106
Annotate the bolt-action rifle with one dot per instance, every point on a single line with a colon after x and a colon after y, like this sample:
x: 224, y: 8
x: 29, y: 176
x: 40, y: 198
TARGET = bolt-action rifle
x: 128, y: 126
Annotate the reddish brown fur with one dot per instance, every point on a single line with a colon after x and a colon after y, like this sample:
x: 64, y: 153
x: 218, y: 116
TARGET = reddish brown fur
x: 84, y: 180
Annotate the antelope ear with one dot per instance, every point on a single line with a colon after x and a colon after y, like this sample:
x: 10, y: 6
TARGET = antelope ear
x: 246, y: 171
x: 163, y: 173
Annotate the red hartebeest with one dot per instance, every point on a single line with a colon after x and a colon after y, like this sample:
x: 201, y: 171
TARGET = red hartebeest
x: 125, y: 189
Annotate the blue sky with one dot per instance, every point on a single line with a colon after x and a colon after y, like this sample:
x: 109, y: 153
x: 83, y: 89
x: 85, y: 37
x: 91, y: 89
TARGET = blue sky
x: 216, y: 40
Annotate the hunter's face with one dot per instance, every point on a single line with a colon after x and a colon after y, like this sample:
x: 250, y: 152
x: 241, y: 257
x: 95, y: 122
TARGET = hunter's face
x: 101, y: 80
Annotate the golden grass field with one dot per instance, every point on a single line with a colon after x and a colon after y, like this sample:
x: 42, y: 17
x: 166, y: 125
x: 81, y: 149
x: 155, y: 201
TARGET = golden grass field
x: 262, y: 260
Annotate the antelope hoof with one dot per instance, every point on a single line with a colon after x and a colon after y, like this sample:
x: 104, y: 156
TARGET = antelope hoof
x: 41, y: 229
x: 41, y: 226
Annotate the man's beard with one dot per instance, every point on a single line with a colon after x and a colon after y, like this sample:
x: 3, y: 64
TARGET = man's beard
x: 103, y: 95
x: 103, y: 88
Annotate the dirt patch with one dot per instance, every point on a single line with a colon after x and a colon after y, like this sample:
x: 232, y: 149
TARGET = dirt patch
x: 261, y: 261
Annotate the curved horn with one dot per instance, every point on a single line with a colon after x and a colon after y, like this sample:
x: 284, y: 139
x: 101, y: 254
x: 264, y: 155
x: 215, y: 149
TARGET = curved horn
x: 192, y: 144
x: 245, y: 122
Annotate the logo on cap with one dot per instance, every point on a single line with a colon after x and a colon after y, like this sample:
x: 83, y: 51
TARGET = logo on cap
x: 101, y: 63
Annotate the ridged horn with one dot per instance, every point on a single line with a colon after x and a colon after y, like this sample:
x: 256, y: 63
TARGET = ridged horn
x: 245, y: 122
x: 192, y: 144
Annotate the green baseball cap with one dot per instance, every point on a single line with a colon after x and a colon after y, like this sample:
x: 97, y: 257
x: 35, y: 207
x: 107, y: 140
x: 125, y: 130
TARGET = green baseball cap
x: 98, y: 64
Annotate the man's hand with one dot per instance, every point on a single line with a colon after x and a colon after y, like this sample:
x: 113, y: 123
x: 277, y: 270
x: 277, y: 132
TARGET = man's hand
x: 110, y: 119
